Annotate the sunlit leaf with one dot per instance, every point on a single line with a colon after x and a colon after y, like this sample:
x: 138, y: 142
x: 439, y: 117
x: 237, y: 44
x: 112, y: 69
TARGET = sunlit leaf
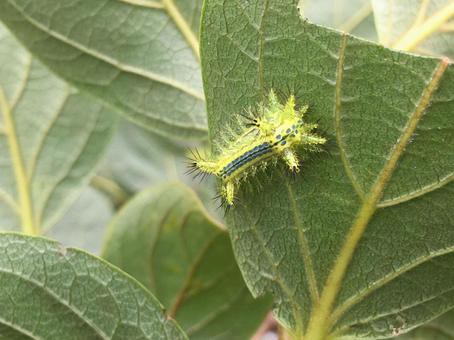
x: 361, y: 242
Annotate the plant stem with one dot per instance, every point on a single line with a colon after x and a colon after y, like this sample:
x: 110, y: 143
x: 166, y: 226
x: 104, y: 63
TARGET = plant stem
x: 116, y: 194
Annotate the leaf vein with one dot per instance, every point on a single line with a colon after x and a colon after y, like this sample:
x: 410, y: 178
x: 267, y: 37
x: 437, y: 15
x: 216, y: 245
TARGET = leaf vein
x: 181, y: 295
x: 68, y: 169
x: 175, y: 14
x: 305, y: 250
x: 415, y: 194
x: 373, y: 286
x: 337, y: 115
x: 375, y: 317
x: 109, y: 60
x: 55, y: 297
x: 19, y: 329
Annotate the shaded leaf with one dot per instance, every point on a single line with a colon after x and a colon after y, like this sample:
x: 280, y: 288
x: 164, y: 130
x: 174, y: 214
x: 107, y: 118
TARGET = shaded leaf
x: 51, y: 138
x: 133, y: 57
x: 361, y: 242
x: 149, y: 159
x: 84, y: 224
x: 166, y: 240
x: 138, y: 158
x: 399, y: 21
x: 441, y: 328
x: 49, y: 292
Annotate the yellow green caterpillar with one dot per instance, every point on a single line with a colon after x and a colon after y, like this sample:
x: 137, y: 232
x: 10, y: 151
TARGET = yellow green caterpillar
x: 276, y: 132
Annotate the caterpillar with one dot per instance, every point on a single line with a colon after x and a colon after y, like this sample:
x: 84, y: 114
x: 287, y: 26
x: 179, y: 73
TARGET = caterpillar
x: 275, y: 132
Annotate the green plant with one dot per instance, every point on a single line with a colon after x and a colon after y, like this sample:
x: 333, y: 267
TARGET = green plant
x: 99, y: 100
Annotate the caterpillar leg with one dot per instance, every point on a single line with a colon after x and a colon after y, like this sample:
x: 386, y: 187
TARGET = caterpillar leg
x: 292, y: 160
x: 206, y: 166
x: 228, y: 191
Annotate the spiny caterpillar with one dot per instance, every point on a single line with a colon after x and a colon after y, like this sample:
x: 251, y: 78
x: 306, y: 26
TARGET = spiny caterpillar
x: 277, y: 131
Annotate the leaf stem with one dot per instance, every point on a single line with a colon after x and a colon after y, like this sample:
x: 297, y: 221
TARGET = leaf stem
x: 116, y: 194
x: 144, y: 3
x: 420, y: 32
x: 182, y: 25
x: 28, y: 222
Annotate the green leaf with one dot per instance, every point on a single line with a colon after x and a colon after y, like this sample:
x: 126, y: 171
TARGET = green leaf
x: 361, y: 241
x: 139, y: 57
x: 166, y: 240
x: 51, y: 138
x: 441, y: 328
x: 146, y: 158
x: 49, y: 292
x: 422, y: 26
x: 84, y: 224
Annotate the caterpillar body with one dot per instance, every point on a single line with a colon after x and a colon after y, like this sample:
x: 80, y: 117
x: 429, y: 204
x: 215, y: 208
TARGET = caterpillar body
x: 276, y: 132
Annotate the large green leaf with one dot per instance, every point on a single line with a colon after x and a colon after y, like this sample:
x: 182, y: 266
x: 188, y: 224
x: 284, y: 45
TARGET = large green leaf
x: 361, y: 243
x: 166, y: 240
x: 400, y: 22
x: 140, y: 57
x: 49, y: 292
x: 51, y: 138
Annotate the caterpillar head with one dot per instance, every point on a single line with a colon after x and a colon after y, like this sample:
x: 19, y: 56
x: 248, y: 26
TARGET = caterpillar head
x: 288, y: 134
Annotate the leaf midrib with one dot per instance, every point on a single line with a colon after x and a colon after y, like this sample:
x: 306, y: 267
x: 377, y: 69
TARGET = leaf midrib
x: 318, y: 325
x: 28, y: 220
x: 215, y: 314
x: 174, y: 13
